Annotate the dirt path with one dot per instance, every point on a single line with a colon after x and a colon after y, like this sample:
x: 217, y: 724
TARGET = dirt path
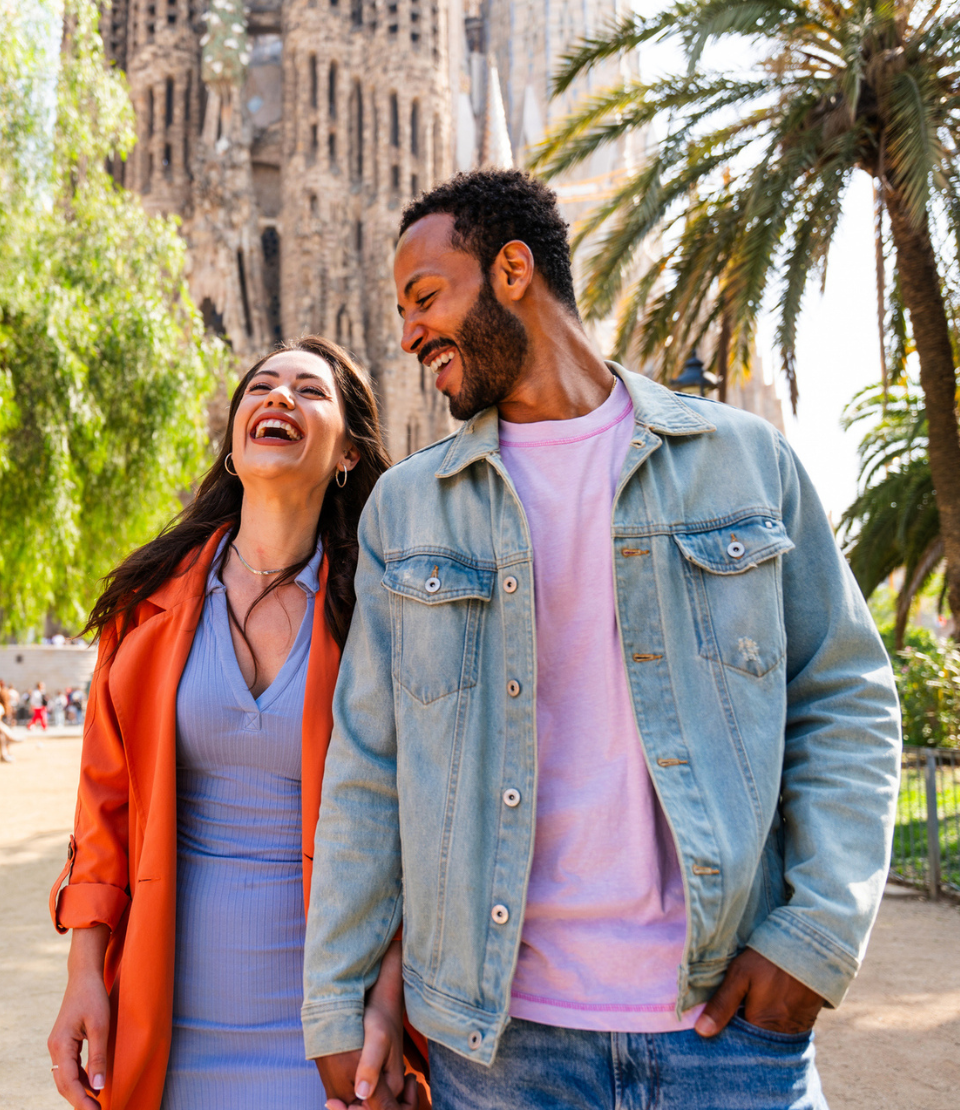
x: 893, y: 1045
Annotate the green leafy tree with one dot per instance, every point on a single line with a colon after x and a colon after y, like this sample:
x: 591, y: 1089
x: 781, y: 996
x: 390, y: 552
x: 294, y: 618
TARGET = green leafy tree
x: 748, y: 182
x: 894, y: 522
x: 104, y: 373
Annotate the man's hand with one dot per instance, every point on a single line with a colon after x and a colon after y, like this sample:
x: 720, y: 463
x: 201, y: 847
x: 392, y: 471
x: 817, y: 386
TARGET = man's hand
x: 342, y: 1075
x: 771, y: 998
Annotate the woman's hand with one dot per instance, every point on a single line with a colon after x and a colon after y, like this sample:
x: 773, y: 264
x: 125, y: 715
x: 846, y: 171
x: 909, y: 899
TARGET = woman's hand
x: 84, y: 1016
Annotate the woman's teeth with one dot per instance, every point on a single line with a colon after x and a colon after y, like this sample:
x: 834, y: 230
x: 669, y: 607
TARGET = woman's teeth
x: 271, y: 427
x: 440, y: 361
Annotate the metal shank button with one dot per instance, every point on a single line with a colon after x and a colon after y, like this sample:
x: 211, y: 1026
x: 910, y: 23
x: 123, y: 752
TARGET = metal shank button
x: 500, y: 914
x: 474, y: 1040
x: 736, y: 550
x: 511, y: 797
x: 513, y: 688
x: 510, y: 585
x: 432, y: 585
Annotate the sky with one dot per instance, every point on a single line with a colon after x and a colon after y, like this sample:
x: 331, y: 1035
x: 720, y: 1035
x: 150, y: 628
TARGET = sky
x: 838, y: 353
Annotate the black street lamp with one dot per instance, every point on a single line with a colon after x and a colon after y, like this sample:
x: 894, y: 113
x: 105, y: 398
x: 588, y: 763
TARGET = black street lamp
x: 693, y: 376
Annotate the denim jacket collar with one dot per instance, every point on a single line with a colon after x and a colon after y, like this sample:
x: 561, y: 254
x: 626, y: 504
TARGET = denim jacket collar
x: 654, y: 407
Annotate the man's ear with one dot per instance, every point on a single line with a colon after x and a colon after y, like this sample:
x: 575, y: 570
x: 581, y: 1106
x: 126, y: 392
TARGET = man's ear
x: 512, y: 271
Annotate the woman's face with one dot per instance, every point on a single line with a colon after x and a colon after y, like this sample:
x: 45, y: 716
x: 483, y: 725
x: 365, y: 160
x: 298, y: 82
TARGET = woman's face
x: 290, y: 424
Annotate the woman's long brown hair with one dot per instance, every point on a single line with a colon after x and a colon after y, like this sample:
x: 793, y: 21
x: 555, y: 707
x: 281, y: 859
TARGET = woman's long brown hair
x: 220, y: 496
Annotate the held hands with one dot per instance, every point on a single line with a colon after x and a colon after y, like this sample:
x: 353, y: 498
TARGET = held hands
x: 373, y: 1077
x: 772, y: 998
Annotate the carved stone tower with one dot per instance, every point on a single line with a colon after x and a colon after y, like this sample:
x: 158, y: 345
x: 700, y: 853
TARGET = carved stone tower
x: 287, y: 135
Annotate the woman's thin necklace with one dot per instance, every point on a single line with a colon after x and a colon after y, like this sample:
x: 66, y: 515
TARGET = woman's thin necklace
x: 253, y: 570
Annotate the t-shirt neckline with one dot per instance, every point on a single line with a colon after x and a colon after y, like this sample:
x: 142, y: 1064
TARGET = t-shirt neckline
x: 555, y: 433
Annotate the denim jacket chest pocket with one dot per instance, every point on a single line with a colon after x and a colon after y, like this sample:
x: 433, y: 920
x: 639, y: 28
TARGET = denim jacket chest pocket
x: 733, y: 575
x: 438, y: 602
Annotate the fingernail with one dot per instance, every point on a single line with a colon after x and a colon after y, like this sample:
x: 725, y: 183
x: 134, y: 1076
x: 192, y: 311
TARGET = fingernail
x: 363, y: 1089
x: 705, y: 1026
x: 98, y: 1082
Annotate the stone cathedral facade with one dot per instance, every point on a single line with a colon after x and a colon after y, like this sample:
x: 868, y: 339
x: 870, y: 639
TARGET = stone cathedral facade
x: 288, y: 134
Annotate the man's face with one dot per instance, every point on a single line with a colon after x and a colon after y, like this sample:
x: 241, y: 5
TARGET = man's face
x: 452, y: 320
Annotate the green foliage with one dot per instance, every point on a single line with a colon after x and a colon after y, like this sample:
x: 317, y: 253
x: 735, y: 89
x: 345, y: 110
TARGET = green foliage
x: 747, y: 185
x: 894, y: 522
x: 921, y: 639
x: 928, y: 682
x: 104, y: 372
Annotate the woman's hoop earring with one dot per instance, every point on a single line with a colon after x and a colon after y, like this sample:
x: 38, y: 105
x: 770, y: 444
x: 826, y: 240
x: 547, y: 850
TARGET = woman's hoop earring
x: 344, y: 472
x: 226, y: 466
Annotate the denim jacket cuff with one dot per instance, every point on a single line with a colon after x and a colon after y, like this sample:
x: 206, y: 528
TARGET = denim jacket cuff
x: 806, y: 954
x: 330, y: 1027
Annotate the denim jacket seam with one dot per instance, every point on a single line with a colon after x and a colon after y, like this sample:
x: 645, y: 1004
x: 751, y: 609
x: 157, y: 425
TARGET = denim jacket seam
x: 396, y: 555
x: 792, y: 921
x: 707, y: 524
x: 319, y: 1009
x: 437, y: 997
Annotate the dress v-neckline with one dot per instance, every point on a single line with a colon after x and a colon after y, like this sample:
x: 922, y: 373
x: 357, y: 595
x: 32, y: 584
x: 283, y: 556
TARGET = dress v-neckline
x: 219, y: 627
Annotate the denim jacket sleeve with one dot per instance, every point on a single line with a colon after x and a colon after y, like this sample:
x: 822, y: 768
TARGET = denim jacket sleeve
x: 355, y: 899
x: 841, y: 760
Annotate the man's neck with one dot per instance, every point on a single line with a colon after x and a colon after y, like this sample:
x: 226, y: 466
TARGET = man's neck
x: 565, y: 376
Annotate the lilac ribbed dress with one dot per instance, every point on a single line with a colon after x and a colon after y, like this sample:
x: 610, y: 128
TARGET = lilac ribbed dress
x: 237, y: 1039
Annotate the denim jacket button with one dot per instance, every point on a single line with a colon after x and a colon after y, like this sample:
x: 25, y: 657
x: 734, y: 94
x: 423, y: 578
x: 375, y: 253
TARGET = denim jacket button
x: 474, y: 1040
x: 432, y: 585
x: 736, y: 550
x: 500, y: 914
x: 511, y: 797
x: 513, y: 688
x: 509, y: 585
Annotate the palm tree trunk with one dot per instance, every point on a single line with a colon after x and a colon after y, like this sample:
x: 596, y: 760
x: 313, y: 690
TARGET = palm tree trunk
x: 723, y: 355
x: 922, y: 296
x: 881, y: 286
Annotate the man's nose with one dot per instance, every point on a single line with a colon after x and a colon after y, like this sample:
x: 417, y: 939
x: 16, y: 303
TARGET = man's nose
x: 413, y: 335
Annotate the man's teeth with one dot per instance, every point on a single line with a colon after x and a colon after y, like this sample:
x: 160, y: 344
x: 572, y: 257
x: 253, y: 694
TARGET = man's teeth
x: 288, y: 429
x: 440, y: 361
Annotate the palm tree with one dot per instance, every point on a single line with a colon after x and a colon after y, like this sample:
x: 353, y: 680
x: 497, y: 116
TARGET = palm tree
x: 893, y: 524
x: 747, y: 185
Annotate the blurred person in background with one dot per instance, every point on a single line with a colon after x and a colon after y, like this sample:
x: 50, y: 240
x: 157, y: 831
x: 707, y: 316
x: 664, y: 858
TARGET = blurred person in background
x: 6, y: 719
x: 38, y: 706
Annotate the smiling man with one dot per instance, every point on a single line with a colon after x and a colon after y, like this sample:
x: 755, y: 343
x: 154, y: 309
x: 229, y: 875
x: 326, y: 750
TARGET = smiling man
x: 616, y: 740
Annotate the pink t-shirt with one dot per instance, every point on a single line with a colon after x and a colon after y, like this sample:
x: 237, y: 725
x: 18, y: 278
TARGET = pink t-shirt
x: 605, y: 919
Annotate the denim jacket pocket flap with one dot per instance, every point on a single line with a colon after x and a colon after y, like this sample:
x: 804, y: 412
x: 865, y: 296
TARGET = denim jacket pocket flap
x: 434, y: 579
x: 736, y: 547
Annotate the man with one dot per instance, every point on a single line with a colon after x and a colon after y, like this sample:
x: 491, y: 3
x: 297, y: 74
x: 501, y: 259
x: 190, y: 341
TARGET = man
x: 616, y: 740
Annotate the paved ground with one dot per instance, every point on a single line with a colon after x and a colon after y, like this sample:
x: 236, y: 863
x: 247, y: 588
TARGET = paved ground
x: 893, y: 1045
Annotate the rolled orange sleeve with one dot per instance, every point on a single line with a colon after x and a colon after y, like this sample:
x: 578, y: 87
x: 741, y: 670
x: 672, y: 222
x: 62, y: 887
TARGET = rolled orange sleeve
x: 97, y: 871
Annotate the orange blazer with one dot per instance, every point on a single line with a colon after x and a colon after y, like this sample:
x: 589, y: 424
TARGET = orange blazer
x: 122, y: 859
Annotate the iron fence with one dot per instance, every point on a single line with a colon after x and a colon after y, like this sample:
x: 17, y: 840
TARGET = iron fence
x: 926, y: 839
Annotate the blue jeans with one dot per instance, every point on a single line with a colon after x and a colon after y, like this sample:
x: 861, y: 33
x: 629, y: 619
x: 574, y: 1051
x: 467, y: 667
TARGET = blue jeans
x: 540, y: 1067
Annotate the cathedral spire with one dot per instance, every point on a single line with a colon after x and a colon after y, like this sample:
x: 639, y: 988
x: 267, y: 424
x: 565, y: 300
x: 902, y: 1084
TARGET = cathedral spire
x: 496, y: 152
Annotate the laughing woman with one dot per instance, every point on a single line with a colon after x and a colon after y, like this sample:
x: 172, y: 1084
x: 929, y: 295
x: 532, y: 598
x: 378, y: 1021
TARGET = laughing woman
x: 203, y: 752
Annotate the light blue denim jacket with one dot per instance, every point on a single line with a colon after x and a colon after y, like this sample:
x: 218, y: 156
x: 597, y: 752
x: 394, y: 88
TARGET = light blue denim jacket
x: 763, y: 697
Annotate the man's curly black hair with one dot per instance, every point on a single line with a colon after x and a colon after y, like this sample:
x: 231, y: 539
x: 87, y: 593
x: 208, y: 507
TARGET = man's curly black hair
x: 491, y: 207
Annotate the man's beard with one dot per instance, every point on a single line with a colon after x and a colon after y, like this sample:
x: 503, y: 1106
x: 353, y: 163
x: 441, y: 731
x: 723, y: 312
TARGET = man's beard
x: 493, y: 347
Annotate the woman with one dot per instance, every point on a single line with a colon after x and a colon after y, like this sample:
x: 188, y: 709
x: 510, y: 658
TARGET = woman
x: 190, y: 865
